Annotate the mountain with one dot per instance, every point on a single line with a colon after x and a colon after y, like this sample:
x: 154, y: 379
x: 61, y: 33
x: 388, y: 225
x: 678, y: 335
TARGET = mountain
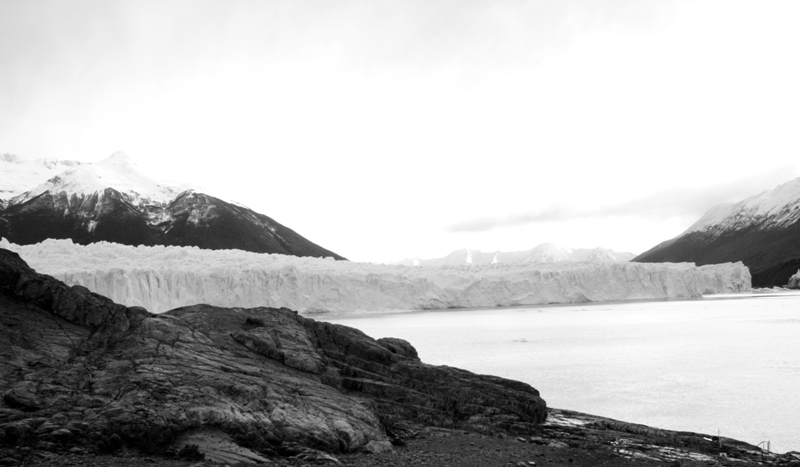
x: 762, y: 231
x: 543, y: 253
x: 111, y: 200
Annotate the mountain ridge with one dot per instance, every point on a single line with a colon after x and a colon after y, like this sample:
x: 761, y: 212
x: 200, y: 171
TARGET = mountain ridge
x: 761, y: 231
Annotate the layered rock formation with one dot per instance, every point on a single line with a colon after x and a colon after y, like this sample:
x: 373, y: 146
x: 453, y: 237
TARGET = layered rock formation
x: 77, y: 369
x: 162, y: 278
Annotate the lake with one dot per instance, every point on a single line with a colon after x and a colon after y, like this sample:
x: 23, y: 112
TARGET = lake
x: 722, y: 363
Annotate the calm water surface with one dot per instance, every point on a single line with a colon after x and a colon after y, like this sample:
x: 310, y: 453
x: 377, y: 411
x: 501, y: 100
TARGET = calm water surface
x: 728, y: 364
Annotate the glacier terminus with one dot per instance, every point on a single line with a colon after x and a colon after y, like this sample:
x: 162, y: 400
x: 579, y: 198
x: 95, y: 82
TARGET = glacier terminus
x: 160, y: 278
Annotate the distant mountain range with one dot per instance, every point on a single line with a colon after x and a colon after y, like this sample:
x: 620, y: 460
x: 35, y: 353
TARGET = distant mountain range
x: 762, y: 231
x: 543, y: 253
x: 111, y: 200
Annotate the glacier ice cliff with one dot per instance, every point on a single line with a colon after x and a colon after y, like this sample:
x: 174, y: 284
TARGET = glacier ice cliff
x: 162, y: 278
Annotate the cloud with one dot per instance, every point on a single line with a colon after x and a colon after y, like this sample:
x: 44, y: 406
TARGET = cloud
x: 687, y: 203
x: 78, y: 46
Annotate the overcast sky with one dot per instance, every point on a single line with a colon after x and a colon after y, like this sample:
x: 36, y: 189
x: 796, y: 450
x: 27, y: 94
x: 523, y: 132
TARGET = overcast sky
x: 383, y: 130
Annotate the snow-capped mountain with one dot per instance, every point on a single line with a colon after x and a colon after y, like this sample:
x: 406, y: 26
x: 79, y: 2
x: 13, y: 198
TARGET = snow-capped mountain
x: 111, y: 200
x: 543, y: 253
x: 117, y: 171
x: 762, y: 231
x: 18, y: 174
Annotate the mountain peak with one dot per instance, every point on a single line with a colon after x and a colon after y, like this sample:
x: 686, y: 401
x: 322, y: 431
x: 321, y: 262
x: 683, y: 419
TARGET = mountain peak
x: 8, y: 157
x: 118, y: 162
x: 119, y: 157
x: 116, y: 171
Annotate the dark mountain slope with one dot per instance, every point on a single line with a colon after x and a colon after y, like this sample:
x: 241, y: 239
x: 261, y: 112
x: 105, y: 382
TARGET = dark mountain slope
x: 771, y: 255
x: 196, y: 219
x: 100, y: 216
x: 191, y: 219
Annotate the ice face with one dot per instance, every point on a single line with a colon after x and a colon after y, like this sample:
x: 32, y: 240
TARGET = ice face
x: 161, y: 278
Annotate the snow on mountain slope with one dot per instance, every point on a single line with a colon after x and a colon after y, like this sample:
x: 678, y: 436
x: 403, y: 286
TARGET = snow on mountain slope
x: 770, y: 209
x: 117, y: 171
x: 18, y: 174
x: 543, y: 253
x: 548, y: 253
x: 161, y: 278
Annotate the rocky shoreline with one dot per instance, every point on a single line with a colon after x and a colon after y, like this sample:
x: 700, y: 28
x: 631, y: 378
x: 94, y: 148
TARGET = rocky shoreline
x: 85, y: 381
x: 566, y: 439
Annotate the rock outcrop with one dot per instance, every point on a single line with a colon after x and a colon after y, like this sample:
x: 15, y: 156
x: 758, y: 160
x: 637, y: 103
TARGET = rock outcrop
x: 77, y: 369
x: 794, y: 281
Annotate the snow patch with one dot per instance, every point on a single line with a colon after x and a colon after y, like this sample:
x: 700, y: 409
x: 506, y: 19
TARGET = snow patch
x: 18, y: 174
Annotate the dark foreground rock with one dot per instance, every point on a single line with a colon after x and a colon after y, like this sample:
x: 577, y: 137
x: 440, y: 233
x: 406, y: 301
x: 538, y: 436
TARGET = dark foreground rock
x: 80, y: 374
x: 566, y: 439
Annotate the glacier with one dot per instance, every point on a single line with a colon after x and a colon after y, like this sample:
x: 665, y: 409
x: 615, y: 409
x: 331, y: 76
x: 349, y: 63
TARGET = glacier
x: 161, y: 278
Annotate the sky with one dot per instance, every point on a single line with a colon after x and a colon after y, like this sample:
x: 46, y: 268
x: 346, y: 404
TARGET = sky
x: 385, y: 130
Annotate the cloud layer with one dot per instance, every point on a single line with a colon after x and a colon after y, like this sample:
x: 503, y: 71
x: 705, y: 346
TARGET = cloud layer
x: 684, y: 203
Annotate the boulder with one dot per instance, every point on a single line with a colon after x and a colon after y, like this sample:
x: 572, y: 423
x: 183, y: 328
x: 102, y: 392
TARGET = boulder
x: 794, y: 281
